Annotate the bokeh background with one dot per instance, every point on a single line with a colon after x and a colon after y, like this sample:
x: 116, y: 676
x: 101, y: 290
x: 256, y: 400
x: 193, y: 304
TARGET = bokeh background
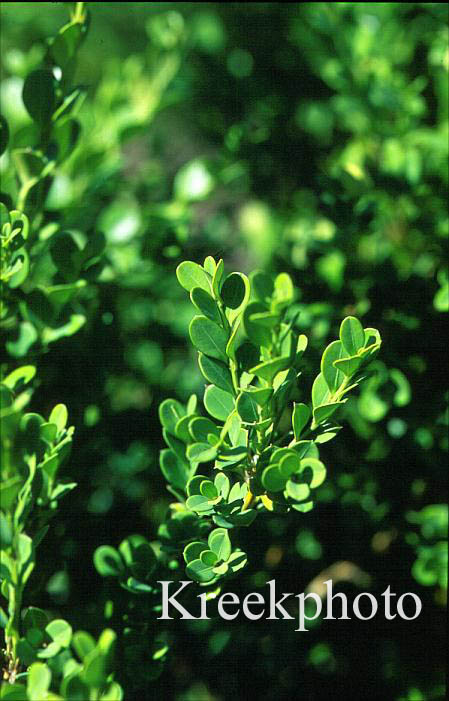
x: 310, y: 138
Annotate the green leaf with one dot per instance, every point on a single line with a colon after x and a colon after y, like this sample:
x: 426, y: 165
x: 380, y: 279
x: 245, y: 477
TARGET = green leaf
x: 95, y: 669
x: 208, y: 558
x: 59, y: 416
x: 205, y: 304
x: 298, y: 492
x: 270, y: 368
x: 9, y: 490
x: 244, y: 518
x: 30, y: 167
x: 306, y: 449
x: 327, y: 432
x: 6, y: 534
x: 35, y: 618
x: 267, y: 319
x: 139, y: 556
x: 106, y: 642
x: 66, y: 136
x: 208, y: 337
x: 237, y: 560
x: 175, y: 470
x: 246, y: 355
x: 209, y: 265
x: 177, y: 446
x: 25, y: 555
x: 27, y: 335
x: 108, y: 561
x: 7, y: 568
x: 20, y: 262
x: 236, y: 339
x: 4, y: 212
x: 283, y: 291
x: 318, y: 471
x: 403, y: 391
x: 60, y: 632
x: 73, y: 687
x: 65, y: 44
x: 200, y: 427
x: 191, y: 275
x: 6, y: 396
x: 217, y: 278
x: 182, y: 429
x: 279, y: 453
x: 209, y: 490
x: 192, y: 551
x: 256, y: 332
x: 216, y: 372
x: 38, y: 681
x: 170, y: 411
x: 222, y: 484
x: 301, y: 345
x: 19, y: 377
x: 221, y: 569
x: 372, y: 336
x: 192, y: 404
x: 233, y: 290
x: 352, y: 335
x: 38, y: 95
x: 74, y: 324
x: 331, y: 374
x: 4, y: 134
x: 193, y: 485
x: 201, y: 452
x: 199, y: 503
x: 303, y: 508
x: 218, y: 403
x: 62, y: 489
x: 247, y: 407
x: 200, y: 572
x: 83, y: 643
x: 70, y: 105
x: 325, y: 411
x: 261, y: 395
x: 262, y: 286
x: 348, y: 366
x: 232, y: 456
x: 19, y: 223
x: 238, y: 492
x: 35, y: 637
x: 128, y: 548
x: 236, y: 433
x: 320, y: 391
x: 220, y: 543
x: 272, y: 479
x: 13, y: 692
x: 289, y: 464
x: 300, y: 417
x: 114, y: 691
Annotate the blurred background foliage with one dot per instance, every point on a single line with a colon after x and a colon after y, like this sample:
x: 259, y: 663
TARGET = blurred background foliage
x: 309, y: 138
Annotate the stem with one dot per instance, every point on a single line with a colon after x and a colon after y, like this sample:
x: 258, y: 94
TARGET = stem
x: 78, y: 15
x: 227, y: 327
x: 234, y: 375
x: 13, y: 632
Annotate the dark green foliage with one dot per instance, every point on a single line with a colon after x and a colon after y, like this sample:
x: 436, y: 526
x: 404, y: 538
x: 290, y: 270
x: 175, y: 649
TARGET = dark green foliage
x: 259, y: 466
